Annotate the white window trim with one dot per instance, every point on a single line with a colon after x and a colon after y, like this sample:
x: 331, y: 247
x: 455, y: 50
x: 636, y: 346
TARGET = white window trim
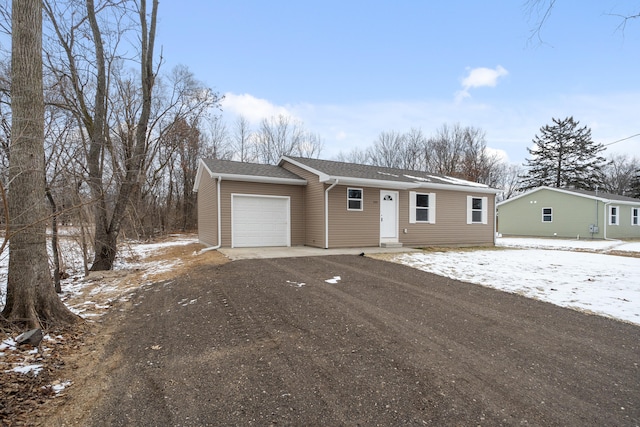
x: 543, y: 214
x: 361, y: 198
x: 635, y: 213
x: 485, y: 205
x: 617, y: 215
x: 413, y: 207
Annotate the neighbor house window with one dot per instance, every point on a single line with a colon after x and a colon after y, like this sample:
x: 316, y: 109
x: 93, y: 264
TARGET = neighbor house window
x: 547, y: 214
x: 477, y: 210
x: 634, y: 216
x: 354, y: 199
x: 614, y: 215
x: 422, y: 207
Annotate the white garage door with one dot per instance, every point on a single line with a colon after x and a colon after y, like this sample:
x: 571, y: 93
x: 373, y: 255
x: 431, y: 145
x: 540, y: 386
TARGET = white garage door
x: 259, y: 221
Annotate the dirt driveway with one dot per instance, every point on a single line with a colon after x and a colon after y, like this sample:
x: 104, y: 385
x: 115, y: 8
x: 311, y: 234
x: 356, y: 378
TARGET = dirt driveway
x: 270, y: 342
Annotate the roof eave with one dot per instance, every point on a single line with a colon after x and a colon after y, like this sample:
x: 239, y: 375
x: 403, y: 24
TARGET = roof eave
x: 404, y: 185
x: 321, y: 175
x: 259, y: 178
x: 202, y: 166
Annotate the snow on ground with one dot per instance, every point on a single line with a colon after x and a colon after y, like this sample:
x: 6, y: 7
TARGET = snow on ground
x: 89, y: 296
x: 577, y: 274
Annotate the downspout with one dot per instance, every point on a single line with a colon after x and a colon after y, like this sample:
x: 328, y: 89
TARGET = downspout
x: 495, y: 220
x: 213, y: 248
x: 326, y: 214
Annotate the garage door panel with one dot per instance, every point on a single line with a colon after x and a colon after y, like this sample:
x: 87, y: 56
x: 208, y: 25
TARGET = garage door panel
x: 260, y: 221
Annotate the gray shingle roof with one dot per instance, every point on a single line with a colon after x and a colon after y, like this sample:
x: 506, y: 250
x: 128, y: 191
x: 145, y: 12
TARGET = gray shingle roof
x: 354, y: 170
x: 602, y: 195
x: 228, y: 167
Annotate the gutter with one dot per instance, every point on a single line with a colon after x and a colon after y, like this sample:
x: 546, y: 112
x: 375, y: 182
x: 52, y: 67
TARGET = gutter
x: 326, y: 214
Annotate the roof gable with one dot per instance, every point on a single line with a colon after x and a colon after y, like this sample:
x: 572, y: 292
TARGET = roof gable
x: 594, y: 195
x: 250, y: 172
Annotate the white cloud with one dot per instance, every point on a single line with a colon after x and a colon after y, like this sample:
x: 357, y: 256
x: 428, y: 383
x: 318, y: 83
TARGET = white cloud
x: 252, y: 108
x: 480, y: 77
x: 510, y: 126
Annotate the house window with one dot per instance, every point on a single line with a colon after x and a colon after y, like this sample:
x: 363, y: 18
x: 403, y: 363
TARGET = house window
x: 354, y: 199
x: 422, y: 207
x: 547, y: 214
x: 614, y: 217
x: 634, y: 216
x: 477, y: 210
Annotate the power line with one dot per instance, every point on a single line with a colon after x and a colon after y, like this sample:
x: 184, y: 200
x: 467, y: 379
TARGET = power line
x: 620, y: 140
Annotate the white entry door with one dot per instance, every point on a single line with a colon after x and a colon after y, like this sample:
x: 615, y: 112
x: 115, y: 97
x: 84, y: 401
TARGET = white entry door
x: 388, y: 216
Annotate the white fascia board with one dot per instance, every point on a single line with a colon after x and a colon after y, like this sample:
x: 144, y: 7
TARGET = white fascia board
x: 201, y: 167
x: 260, y: 178
x: 526, y: 193
x: 400, y: 185
x: 571, y: 193
x: 363, y: 182
x: 465, y: 188
x: 323, y: 177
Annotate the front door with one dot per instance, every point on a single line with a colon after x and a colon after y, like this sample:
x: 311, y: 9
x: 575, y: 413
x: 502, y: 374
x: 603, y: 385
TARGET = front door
x: 388, y: 216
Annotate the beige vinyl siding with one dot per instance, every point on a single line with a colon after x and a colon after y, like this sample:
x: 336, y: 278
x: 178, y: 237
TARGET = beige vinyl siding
x: 207, y: 211
x: 354, y: 228
x: 313, y: 205
x: 451, y: 226
x: 295, y: 192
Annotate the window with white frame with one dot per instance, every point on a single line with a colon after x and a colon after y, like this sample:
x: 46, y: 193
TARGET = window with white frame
x: 422, y: 207
x: 614, y: 215
x: 354, y: 199
x: 547, y: 214
x: 635, y: 213
x: 477, y: 210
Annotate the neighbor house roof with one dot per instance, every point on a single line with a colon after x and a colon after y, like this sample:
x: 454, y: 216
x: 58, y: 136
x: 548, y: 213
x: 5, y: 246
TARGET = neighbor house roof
x: 367, y: 175
x: 595, y: 195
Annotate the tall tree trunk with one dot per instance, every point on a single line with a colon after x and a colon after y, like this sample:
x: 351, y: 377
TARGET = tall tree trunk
x: 107, y: 231
x: 105, y: 241
x: 54, y: 241
x: 31, y: 298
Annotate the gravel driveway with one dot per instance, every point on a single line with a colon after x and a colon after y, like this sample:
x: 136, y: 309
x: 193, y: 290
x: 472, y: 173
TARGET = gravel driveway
x: 271, y: 342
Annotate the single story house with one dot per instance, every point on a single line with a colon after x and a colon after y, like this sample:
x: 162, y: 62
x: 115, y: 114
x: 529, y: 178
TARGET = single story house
x: 330, y: 204
x: 562, y: 212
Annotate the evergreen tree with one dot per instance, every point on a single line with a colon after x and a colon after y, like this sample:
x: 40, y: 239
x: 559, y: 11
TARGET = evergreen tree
x: 564, y: 155
x: 635, y: 185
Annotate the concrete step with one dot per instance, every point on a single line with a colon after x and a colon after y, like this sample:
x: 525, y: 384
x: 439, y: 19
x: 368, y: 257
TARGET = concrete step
x: 390, y: 245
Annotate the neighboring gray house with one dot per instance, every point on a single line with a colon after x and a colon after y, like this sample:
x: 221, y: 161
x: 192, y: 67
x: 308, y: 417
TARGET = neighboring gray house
x: 561, y: 212
x: 331, y: 204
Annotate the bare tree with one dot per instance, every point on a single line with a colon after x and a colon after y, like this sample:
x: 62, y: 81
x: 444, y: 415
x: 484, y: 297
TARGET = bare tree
x: 387, y: 150
x: 282, y: 135
x: 78, y: 76
x: 509, y: 180
x: 242, y: 140
x: 541, y: 11
x: 31, y: 299
x: 356, y: 155
x: 445, y: 150
x: 619, y: 173
x: 217, y: 140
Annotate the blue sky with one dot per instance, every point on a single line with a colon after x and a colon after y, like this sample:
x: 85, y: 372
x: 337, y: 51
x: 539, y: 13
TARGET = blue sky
x: 352, y: 69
